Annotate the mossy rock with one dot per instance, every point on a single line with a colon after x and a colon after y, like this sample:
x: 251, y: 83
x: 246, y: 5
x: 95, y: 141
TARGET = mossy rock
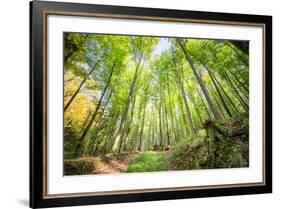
x: 78, y: 166
x: 225, y: 145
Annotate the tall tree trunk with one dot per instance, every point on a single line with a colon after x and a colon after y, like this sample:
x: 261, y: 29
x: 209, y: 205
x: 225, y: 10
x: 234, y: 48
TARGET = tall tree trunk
x: 134, y: 136
x: 79, y: 88
x: 187, y: 107
x: 95, y: 113
x: 129, y: 124
x: 183, y: 115
x: 214, y: 109
x: 142, y: 127
x: 170, y: 109
x: 167, y: 124
x: 240, y: 86
x: 204, y: 105
x: 125, y: 112
x: 196, y: 109
x: 246, y: 89
x: 215, y: 96
x: 99, y: 120
x: 219, y: 93
x: 183, y: 93
x: 227, y: 96
x: 241, y: 100
x: 243, y: 60
x: 160, y: 126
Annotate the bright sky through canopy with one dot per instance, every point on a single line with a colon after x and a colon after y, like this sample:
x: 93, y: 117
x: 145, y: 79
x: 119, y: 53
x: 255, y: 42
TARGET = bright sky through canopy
x: 163, y: 44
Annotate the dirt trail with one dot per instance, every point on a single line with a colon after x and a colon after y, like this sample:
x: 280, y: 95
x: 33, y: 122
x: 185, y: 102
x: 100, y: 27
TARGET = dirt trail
x: 113, y: 163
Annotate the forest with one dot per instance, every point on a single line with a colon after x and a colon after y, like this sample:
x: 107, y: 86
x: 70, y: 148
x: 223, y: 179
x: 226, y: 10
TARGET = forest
x: 140, y: 104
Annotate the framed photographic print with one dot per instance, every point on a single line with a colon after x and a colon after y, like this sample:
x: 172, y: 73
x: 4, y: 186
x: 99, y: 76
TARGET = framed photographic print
x: 140, y: 104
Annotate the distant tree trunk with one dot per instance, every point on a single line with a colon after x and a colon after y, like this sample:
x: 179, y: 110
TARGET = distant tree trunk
x: 183, y: 93
x: 95, y: 113
x: 227, y: 96
x: 196, y: 109
x: 204, y: 105
x: 246, y: 89
x: 240, y: 86
x: 167, y: 124
x: 183, y: 115
x: 129, y: 124
x: 99, y: 120
x: 110, y: 144
x: 215, y: 96
x: 125, y: 112
x: 215, y: 111
x: 79, y: 88
x: 85, y: 122
x: 241, y: 100
x: 134, y: 137
x: 160, y: 126
x: 142, y: 127
x: 243, y: 60
x: 219, y: 93
x: 187, y: 107
x: 170, y: 109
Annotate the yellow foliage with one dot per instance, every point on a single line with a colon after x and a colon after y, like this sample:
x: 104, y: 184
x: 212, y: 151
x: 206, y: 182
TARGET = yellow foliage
x: 81, y: 105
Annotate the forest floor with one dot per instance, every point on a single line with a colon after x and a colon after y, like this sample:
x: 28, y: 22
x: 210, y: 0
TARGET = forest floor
x: 119, y: 163
x: 113, y: 163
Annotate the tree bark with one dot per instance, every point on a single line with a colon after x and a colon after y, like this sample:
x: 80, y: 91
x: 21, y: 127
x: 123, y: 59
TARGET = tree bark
x: 79, y: 88
x: 219, y: 93
x: 95, y: 113
x: 215, y: 111
x: 125, y: 112
x: 241, y: 100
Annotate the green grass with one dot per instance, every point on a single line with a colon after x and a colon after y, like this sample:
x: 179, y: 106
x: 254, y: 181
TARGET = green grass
x: 147, y: 162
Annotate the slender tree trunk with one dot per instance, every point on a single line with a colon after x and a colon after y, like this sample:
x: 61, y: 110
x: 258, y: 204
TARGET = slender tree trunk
x: 241, y: 100
x: 243, y: 60
x: 125, y: 112
x: 187, y: 107
x: 215, y: 96
x: 183, y: 115
x: 215, y: 111
x: 79, y: 88
x: 196, y: 109
x: 99, y: 119
x: 167, y: 124
x: 95, y: 113
x: 219, y: 93
x: 205, y: 106
x: 129, y: 124
x: 142, y: 127
x: 170, y: 109
x: 160, y: 126
x: 239, y: 82
x: 227, y: 96
x: 240, y: 86
x: 134, y: 137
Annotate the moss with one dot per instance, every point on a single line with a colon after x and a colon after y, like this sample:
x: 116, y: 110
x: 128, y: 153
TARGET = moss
x: 224, y: 145
x: 147, y: 162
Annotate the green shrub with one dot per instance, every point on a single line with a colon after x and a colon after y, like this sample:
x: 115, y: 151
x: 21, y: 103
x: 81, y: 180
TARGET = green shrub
x: 78, y: 166
x: 147, y: 162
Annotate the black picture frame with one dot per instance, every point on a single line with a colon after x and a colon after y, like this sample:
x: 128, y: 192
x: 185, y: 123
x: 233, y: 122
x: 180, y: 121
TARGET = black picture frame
x: 38, y: 13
